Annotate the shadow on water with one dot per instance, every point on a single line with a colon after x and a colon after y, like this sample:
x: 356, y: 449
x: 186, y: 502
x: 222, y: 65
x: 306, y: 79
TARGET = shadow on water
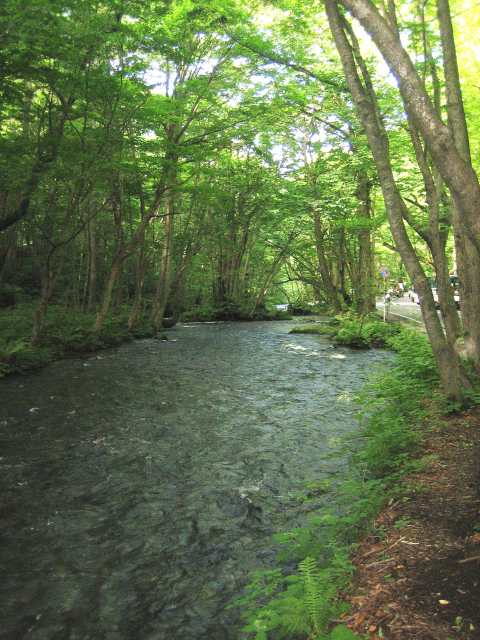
x: 142, y: 486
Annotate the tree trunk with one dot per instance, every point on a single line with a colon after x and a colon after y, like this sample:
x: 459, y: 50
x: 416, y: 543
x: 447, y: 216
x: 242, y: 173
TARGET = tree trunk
x: 164, y: 278
x: 277, y: 263
x: 9, y: 261
x: 49, y: 279
x: 467, y: 254
x: 136, y: 310
x: 47, y: 152
x: 41, y: 310
x: 447, y: 359
x: 436, y: 237
x: 108, y: 292
x: 365, y: 295
x: 331, y: 291
x: 123, y: 255
x: 92, y: 266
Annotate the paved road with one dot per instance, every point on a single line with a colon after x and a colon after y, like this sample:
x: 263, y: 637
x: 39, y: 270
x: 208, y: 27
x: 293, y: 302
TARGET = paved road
x: 402, y: 308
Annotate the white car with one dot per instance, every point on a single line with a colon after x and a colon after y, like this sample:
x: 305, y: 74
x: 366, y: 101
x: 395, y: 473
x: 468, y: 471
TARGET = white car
x: 456, y: 297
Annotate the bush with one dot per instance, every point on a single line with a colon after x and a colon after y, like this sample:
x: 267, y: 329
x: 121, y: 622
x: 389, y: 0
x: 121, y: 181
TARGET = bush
x: 232, y: 311
x: 352, y: 331
x: 8, y: 295
x: 364, y: 333
x: 201, y: 313
x: 278, y: 314
x: 17, y: 356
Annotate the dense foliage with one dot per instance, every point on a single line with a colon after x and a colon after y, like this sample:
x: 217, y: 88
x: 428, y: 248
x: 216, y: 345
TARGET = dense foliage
x: 215, y: 158
x: 153, y: 155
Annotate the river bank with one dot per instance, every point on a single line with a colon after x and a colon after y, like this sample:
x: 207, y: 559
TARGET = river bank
x: 69, y: 333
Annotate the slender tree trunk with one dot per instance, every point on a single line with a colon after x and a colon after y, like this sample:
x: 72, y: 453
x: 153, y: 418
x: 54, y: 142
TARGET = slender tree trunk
x: 436, y: 238
x: 164, y: 278
x: 40, y: 313
x: 92, y: 265
x: 468, y: 256
x: 47, y: 153
x: 458, y: 174
x: 331, y: 291
x: 49, y: 280
x: 119, y: 292
x: 108, y: 292
x: 9, y: 261
x: 366, y: 288
x: 136, y: 310
x: 123, y: 255
x: 277, y: 263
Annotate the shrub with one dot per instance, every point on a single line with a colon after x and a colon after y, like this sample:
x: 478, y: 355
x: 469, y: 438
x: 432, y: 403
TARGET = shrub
x: 364, y: 333
x: 64, y: 332
x: 201, y: 313
x: 352, y: 331
x: 18, y: 355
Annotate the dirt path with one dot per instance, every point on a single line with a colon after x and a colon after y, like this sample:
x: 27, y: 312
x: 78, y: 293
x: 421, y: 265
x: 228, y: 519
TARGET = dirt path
x: 418, y: 574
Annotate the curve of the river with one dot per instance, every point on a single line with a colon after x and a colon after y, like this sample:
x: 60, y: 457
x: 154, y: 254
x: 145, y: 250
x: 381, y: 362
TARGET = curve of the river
x: 141, y: 486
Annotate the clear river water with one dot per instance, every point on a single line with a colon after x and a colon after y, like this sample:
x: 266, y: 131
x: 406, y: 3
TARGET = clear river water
x: 141, y: 486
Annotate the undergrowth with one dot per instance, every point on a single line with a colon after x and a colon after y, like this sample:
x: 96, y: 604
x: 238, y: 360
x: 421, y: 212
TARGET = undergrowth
x: 232, y: 311
x: 65, y: 332
x: 281, y: 603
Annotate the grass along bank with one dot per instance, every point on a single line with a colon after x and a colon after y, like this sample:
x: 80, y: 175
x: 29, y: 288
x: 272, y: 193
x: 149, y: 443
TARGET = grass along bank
x: 310, y: 593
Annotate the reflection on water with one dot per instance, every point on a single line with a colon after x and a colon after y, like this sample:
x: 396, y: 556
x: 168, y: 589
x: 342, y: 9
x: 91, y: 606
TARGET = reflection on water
x: 141, y: 486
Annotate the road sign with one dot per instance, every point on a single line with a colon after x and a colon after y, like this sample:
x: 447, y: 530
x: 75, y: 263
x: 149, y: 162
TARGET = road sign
x: 384, y: 272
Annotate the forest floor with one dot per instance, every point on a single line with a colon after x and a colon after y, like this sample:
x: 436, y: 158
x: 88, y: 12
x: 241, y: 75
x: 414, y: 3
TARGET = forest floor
x: 418, y: 573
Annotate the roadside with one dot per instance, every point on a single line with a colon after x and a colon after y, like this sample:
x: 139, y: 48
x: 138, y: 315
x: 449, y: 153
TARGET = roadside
x: 401, y: 309
x: 418, y: 572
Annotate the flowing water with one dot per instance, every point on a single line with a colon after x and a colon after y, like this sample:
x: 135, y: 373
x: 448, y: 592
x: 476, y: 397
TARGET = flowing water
x: 142, y: 486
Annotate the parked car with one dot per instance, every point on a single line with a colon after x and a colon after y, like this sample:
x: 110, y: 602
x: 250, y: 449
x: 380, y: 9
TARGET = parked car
x: 456, y: 292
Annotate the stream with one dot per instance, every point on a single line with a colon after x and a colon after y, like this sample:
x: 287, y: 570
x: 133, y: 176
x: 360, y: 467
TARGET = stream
x: 141, y: 486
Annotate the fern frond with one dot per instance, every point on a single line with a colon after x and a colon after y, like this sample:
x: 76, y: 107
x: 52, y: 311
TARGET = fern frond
x: 314, y: 600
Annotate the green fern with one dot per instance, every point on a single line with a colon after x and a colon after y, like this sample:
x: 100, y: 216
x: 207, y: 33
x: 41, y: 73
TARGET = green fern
x: 9, y: 348
x: 314, y: 598
x: 342, y: 633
